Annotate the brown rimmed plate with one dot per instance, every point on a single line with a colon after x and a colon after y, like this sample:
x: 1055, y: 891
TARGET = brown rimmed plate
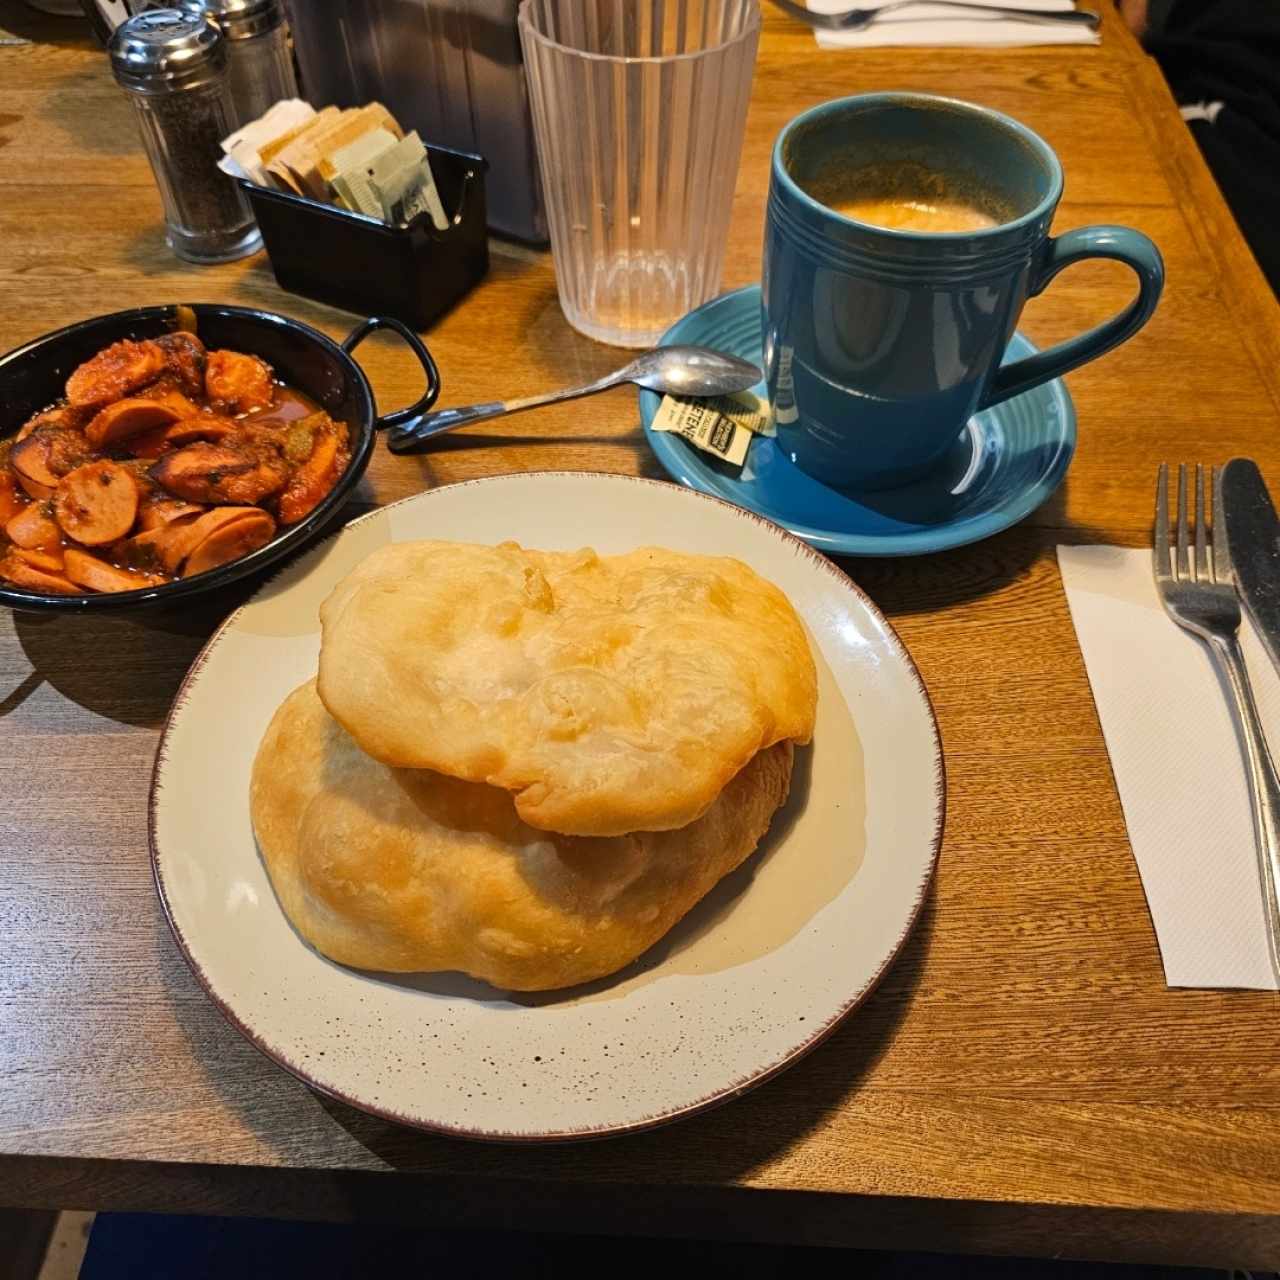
x: 759, y: 973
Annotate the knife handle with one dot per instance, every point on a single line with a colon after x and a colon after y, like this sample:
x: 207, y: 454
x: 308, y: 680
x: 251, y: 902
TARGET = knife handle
x: 1264, y: 785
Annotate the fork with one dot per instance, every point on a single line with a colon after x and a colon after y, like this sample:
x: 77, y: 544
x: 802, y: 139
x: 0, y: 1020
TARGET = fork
x: 856, y: 19
x: 1200, y: 596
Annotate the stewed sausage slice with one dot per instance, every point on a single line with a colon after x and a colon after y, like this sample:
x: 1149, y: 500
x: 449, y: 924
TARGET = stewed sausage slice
x: 173, y: 543
x: 215, y: 473
x: 10, y: 503
x: 67, y: 416
x: 156, y: 513
x: 97, y: 575
x: 114, y: 372
x: 26, y: 575
x: 230, y: 541
x: 45, y: 456
x: 50, y: 561
x: 204, y: 426
x: 33, y: 527
x: 97, y: 503
x: 166, y: 393
x: 127, y: 418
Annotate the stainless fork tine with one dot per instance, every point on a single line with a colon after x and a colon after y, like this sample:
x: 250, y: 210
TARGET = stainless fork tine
x: 1202, y: 551
x: 1160, y: 543
x: 1222, y: 568
x: 1182, y: 568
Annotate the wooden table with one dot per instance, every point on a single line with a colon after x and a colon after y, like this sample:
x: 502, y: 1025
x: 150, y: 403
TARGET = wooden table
x: 1021, y: 1082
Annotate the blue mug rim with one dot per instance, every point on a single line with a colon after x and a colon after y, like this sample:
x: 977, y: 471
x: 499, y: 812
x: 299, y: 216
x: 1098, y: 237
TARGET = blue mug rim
x: 1041, y: 209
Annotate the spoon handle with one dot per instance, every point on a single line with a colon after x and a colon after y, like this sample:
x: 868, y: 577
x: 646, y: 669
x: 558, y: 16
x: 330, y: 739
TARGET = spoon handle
x: 415, y: 437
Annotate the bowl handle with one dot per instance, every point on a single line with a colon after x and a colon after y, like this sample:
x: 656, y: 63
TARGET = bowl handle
x: 424, y: 402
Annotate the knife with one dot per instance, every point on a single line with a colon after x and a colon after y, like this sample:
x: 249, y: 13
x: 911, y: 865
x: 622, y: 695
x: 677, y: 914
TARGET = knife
x: 1253, y: 538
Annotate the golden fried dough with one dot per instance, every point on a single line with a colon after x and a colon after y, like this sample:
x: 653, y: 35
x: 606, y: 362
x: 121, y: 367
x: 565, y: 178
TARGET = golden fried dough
x: 608, y: 693
x: 411, y: 871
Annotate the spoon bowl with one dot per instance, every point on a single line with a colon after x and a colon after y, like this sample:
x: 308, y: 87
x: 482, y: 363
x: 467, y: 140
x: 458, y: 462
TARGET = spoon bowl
x: 690, y: 371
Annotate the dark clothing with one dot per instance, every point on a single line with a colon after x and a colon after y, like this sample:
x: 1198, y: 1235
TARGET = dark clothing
x: 1228, y: 52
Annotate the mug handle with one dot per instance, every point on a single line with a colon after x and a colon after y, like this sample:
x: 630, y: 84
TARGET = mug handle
x: 424, y: 402
x: 1121, y: 244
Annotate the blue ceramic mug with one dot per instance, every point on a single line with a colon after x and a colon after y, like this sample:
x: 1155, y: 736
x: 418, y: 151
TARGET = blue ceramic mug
x: 881, y: 343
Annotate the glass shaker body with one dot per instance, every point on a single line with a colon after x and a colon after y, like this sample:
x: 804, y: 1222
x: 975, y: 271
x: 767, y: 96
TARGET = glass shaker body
x: 173, y: 65
x: 207, y: 218
x: 260, y: 72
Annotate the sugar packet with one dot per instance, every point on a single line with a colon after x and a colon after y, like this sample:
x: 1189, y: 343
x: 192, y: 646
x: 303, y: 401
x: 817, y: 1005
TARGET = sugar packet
x: 243, y: 158
x: 402, y: 180
x: 352, y: 165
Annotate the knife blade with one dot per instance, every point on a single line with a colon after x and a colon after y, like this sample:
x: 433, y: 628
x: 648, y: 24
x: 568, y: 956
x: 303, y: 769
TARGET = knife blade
x: 1253, y: 538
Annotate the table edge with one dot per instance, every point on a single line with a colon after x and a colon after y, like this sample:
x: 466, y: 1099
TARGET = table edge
x: 747, y: 1214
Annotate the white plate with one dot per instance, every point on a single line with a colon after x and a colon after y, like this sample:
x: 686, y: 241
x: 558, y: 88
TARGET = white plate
x: 755, y: 976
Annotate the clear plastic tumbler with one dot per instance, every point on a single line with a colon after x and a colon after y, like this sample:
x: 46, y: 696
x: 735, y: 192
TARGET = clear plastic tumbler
x: 638, y: 107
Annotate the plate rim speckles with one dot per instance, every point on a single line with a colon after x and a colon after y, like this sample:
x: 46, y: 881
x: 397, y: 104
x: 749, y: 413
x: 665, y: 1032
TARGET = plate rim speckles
x: 182, y: 836
x: 1049, y: 407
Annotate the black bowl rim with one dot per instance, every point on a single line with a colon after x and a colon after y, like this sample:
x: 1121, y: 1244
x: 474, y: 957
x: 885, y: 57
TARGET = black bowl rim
x: 292, y: 538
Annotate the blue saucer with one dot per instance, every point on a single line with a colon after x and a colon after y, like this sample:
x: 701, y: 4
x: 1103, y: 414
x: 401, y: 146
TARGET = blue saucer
x: 1007, y: 461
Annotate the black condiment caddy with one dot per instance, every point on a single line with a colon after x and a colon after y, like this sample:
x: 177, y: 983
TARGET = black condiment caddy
x: 413, y: 272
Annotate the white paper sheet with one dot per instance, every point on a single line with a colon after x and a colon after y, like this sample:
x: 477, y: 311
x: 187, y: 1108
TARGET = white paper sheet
x: 1178, y: 767
x: 934, y: 24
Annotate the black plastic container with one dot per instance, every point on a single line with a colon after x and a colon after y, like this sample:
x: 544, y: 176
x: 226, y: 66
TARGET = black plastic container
x: 412, y: 272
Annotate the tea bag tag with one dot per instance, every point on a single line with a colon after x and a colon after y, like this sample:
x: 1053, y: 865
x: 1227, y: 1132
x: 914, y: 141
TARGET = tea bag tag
x: 722, y: 426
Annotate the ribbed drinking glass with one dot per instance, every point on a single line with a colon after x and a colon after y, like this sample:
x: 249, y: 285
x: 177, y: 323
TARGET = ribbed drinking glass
x: 638, y: 107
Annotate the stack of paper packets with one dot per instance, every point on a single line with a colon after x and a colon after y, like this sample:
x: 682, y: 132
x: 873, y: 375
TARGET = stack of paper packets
x: 358, y: 158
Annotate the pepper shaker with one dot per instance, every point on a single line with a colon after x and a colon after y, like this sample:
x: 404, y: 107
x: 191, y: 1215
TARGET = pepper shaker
x: 173, y: 64
x: 260, y: 65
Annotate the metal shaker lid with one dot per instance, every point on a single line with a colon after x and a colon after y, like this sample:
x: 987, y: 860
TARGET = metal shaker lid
x: 163, y: 49
x: 240, y: 19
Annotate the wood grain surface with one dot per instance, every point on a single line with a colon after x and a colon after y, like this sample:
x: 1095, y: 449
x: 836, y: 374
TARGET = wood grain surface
x: 1021, y: 1082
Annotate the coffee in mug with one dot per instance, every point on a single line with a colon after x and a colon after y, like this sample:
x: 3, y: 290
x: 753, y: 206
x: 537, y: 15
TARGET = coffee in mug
x: 906, y: 197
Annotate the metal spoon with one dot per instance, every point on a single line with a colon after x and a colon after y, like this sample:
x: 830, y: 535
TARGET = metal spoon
x: 856, y: 19
x: 682, y: 371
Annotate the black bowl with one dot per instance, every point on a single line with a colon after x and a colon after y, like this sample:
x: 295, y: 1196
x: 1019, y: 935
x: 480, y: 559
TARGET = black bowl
x: 33, y: 377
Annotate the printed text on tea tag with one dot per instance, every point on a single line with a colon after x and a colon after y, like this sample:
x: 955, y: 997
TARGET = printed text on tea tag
x: 719, y: 425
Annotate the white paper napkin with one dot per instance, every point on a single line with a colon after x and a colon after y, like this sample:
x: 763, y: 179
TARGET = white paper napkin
x: 936, y: 24
x: 1178, y: 767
